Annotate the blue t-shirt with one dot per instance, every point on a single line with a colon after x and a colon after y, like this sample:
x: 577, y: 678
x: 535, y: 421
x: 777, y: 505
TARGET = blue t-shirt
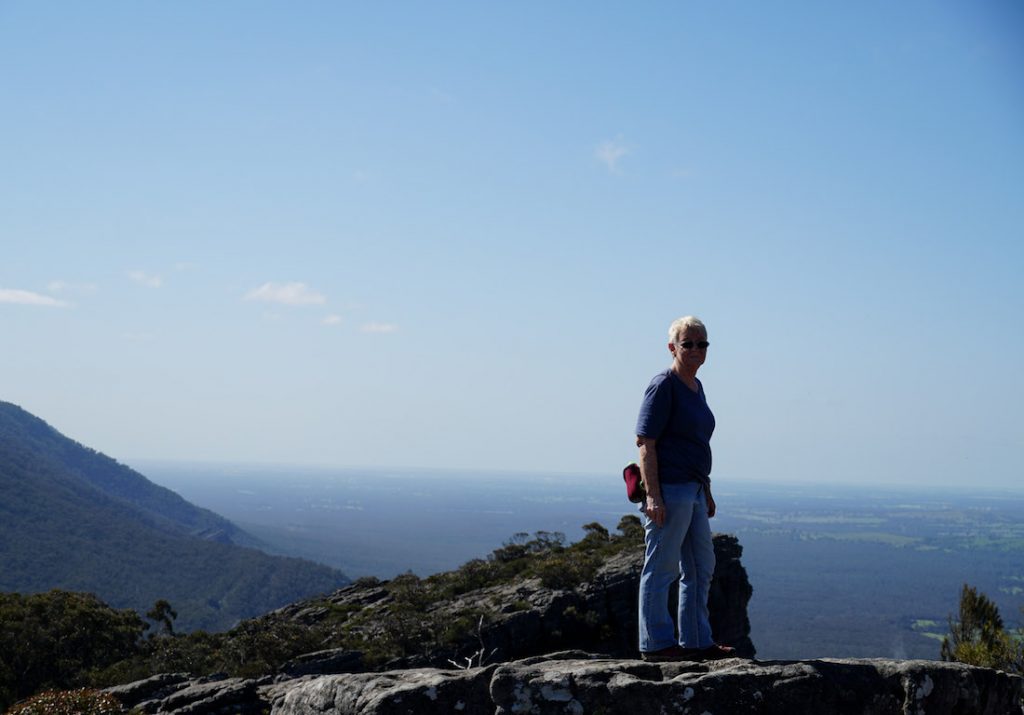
x: 681, y: 422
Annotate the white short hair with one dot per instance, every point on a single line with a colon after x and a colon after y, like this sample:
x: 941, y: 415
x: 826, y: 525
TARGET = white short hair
x: 680, y: 326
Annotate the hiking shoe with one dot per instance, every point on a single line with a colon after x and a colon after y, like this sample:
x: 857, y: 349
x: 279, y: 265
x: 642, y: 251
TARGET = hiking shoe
x: 714, y: 652
x: 673, y: 652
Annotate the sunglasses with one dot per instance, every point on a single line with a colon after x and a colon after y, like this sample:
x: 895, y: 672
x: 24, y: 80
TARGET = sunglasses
x: 689, y: 344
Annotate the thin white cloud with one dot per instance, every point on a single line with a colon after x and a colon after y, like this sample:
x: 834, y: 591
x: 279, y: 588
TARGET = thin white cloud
x: 27, y: 297
x: 378, y: 328
x: 73, y: 288
x: 286, y: 294
x: 146, y: 279
x: 332, y: 320
x: 610, y: 152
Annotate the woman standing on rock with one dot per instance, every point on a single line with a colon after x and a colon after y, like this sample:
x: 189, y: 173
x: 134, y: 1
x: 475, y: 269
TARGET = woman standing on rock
x: 674, y: 432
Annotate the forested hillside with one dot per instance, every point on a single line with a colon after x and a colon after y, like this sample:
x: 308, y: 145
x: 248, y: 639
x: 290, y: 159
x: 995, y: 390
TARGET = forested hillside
x: 531, y: 596
x: 75, y: 519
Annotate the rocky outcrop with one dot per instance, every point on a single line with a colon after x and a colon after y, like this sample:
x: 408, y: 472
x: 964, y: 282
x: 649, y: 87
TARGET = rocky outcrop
x: 864, y: 687
x: 336, y: 660
x: 550, y: 685
x: 513, y: 623
x: 573, y: 683
x: 525, y: 618
x: 601, y: 615
x: 501, y: 623
x: 177, y: 693
x: 427, y: 690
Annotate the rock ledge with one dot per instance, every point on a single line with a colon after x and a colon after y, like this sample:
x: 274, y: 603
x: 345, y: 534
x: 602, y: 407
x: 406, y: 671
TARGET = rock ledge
x: 574, y: 683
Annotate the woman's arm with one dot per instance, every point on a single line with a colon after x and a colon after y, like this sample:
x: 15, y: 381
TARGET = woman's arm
x: 654, y: 506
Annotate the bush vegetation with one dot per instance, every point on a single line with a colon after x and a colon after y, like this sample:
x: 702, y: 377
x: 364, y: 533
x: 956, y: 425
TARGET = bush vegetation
x: 69, y: 702
x: 978, y: 636
x: 62, y: 640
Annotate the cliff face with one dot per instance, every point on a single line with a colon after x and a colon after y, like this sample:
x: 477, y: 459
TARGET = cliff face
x: 576, y: 683
x: 601, y: 615
x: 525, y: 618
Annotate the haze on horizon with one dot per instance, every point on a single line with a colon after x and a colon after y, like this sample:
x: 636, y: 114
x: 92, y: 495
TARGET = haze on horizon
x: 453, y: 235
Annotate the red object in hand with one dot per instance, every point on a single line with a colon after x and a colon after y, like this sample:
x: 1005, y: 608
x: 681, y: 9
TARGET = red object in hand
x: 634, y: 484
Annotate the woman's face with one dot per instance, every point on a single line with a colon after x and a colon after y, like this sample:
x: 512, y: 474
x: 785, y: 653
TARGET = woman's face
x: 692, y: 357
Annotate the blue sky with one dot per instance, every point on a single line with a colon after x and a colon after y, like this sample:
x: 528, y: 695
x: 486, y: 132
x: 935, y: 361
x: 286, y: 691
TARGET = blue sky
x: 454, y: 234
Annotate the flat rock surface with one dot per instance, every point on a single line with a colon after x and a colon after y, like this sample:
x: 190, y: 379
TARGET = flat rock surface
x: 570, y: 684
x: 397, y: 692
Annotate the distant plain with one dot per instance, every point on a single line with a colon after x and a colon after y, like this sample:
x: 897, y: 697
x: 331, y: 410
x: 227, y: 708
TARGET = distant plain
x: 837, y: 571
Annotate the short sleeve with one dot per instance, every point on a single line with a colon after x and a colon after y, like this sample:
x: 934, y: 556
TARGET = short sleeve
x: 655, y: 409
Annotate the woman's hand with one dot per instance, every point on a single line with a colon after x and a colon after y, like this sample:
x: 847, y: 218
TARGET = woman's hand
x: 655, y: 509
x: 712, y: 507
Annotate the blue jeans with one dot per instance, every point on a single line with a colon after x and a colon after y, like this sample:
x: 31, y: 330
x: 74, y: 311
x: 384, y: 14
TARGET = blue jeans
x: 681, y: 546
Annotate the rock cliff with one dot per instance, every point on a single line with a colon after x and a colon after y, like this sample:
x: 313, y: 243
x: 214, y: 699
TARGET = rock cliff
x: 521, y: 630
x: 575, y: 683
x: 523, y: 617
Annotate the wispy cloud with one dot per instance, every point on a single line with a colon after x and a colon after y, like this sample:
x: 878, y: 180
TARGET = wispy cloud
x: 286, y: 294
x: 378, y: 328
x: 332, y: 320
x: 610, y: 152
x: 73, y: 288
x: 146, y: 279
x: 27, y: 297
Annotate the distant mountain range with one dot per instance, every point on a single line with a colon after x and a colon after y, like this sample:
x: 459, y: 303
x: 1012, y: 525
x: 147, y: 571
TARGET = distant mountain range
x: 75, y: 519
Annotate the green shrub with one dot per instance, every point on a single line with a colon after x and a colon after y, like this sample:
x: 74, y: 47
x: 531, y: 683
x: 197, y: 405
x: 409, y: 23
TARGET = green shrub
x: 463, y: 628
x: 631, y: 529
x: 69, y: 702
x: 979, y: 638
x: 410, y: 590
x: 55, y: 640
x: 472, y: 575
x: 256, y: 648
x: 568, y: 569
x: 596, y: 532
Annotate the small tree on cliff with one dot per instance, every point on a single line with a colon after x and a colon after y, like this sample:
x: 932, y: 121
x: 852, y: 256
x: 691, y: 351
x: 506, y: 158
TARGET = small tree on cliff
x: 162, y: 613
x: 979, y: 637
